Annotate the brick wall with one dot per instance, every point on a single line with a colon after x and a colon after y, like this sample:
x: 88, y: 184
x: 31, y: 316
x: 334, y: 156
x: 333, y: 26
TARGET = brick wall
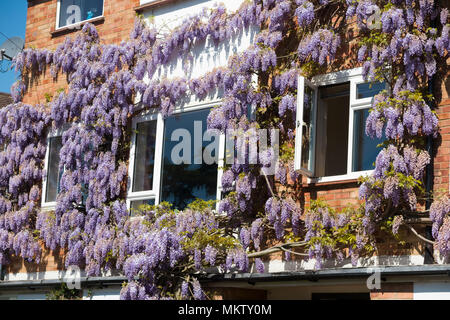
x: 442, y: 143
x: 50, y: 261
x: 40, y: 33
x: 394, y: 291
x: 337, y: 194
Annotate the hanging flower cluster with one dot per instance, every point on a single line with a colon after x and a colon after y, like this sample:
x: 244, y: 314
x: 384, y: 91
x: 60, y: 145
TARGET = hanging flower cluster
x: 160, y: 250
x: 331, y: 233
x: 405, y: 50
x: 22, y: 161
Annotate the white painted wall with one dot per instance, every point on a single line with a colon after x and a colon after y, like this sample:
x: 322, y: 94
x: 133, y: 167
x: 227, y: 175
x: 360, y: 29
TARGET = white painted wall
x: 96, y: 294
x: 432, y: 290
x: 23, y: 296
x: 275, y: 266
x: 206, y: 55
x: 147, y: 1
x: 102, y: 294
x: 48, y: 275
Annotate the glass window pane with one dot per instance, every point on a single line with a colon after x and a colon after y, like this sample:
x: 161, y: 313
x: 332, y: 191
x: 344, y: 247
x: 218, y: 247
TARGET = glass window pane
x: 144, y: 157
x: 183, y: 183
x: 368, y: 90
x: 134, y: 205
x: 74, y: 11
x: 307, y: 128
x: 365, y: 148
x: 53, y: 173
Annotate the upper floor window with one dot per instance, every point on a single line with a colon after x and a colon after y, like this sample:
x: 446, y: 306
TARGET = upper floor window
x: 51, y: 182
x: 331, y: 143
x: 75, y: 11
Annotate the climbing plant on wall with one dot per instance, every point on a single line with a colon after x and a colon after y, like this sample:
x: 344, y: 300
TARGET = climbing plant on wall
x: 404, y: 43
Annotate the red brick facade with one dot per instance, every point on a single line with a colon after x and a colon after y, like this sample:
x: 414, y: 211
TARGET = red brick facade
x: 442, y: 158
x: 394, y: 291
x: 40, y: 32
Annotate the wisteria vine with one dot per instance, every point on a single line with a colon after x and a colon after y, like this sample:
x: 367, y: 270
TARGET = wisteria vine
x: 162, y: 250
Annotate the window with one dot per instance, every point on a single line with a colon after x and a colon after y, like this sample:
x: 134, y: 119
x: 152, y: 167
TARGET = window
x: 51, y: 181
x: 368, y: 90
x: 53, y: 177
x: 137, y: 203
x: 145, y: 160
x: 183, y: 182
x: 160, y: 170
x: 304, y: 152
x: 75, y: 11
x: 365, y: 147
x: 331, y: 143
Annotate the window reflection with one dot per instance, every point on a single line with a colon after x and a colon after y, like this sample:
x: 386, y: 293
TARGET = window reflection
x: 368, y: 90
x: 307, y: 129
x: 144, y: 159
x: 183, y: 183
x: 135, y: 205
x: 365, y: 149
x: 53, y: 172
x: 74, y: 11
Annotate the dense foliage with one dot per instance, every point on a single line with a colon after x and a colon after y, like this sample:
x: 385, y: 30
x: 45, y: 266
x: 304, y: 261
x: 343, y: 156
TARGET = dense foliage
x: 161, y: 250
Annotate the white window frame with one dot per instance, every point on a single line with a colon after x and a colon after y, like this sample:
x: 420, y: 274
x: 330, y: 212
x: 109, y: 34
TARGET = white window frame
x: 302, y: 82
x: 48, y: 205
x: 68, y: 26
x: 155, y: 194
x: 354, y: 76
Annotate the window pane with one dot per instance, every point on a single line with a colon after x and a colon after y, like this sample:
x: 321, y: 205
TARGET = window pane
x: 332, y: 130
x: 183, y: 183
x: 74, y: 11
x: 307, y: 128
x: 365, y: 148
x: 53, y: 173
x: 134, y: 205
x: 144, y: 157
x: 368, y: 90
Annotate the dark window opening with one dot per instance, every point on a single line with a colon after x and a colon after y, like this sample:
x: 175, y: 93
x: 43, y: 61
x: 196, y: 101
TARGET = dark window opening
x: 341, y: 296
x: 332, y: 130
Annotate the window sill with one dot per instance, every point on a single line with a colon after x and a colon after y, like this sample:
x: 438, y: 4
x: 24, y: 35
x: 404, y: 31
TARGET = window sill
x: 48, y: 206
x: 312, y: 184
x: 336, y: 180
x: 76, y: 27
